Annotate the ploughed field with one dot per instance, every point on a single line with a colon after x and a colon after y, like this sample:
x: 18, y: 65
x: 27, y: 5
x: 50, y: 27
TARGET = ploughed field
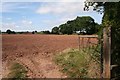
x: 35, y: 52
x: 23, y: 45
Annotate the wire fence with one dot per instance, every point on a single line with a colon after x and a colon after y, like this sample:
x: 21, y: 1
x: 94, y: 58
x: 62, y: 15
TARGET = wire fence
x: 105, y: 54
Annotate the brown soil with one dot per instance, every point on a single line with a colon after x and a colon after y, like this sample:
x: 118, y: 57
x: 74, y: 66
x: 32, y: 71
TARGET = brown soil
x: 35, y: 52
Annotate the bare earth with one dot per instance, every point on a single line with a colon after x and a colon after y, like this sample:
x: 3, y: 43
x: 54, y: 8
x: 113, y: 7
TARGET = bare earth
x: 35, y: 52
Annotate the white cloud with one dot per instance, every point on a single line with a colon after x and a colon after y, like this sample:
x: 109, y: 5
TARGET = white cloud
x: 8, y: 18
x: 10, y: 25
x: 16, y: 25
x: 63, y: 11
x: 61, y: 8
x: 71, y: 1
x: 42, y: 0
x: 8, y: 7
x: 13, y: 6
x: 26, y: 22
x: 57, y: 21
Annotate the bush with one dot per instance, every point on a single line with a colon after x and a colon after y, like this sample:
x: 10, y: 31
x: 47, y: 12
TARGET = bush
x: 46, y: 32
x: 10, y: 32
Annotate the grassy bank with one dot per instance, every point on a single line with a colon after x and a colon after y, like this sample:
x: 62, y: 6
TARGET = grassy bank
x: 79, y: 64
x: 17, y: 71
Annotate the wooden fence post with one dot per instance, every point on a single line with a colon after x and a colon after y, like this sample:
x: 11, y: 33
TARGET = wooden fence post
x: 79, y: 42
x: 106, y: 52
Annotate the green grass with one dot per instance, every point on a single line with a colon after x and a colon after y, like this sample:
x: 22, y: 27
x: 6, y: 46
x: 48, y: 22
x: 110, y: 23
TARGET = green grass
x: 17, y: 71
x: 75, y: 63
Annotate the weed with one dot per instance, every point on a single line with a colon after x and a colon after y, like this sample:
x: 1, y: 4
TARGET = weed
x: 17, y: 71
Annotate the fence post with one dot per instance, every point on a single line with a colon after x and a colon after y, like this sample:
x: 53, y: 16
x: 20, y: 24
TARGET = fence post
x: 106, y: 52
x: 79, y: 42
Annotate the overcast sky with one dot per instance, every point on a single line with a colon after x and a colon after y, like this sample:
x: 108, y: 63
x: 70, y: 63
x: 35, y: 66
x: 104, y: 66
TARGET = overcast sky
x: 29, y: 16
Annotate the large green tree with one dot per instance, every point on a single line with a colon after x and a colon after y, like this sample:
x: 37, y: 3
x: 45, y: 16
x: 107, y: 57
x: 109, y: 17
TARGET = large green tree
x: 83, y: 24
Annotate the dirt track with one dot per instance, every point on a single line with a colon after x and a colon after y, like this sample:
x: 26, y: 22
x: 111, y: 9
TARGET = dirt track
x: 35, y: 52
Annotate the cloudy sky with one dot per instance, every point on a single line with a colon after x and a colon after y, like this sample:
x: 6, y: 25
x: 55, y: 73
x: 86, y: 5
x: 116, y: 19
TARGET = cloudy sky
x: 29, y: 16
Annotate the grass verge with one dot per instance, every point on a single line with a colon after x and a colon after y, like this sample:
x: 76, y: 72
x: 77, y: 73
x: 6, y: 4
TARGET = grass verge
x: 77, y: 64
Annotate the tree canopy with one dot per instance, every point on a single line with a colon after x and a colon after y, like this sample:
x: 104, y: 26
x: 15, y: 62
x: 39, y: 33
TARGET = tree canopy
x: 84, y: 24
x: 55, y: 30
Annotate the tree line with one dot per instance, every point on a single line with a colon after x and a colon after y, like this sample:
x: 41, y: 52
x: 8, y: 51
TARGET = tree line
x: 80, y: 25
x: 13, y: 32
